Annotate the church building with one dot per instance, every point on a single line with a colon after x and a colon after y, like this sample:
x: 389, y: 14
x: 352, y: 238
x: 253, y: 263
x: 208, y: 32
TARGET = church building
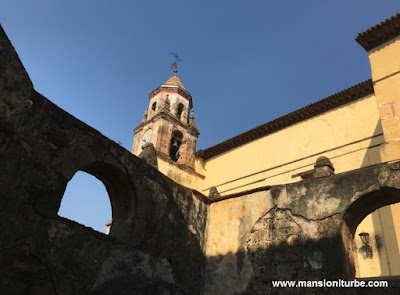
x: 352, y: 129
x: 309, y: 197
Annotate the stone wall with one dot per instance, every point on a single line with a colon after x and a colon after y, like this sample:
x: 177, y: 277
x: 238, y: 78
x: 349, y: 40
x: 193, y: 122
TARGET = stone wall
x: 157, y: 236
x: 301, y: 231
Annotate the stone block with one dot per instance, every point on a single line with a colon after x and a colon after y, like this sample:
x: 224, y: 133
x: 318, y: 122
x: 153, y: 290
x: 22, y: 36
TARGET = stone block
x: 390, y: 125
x: 390, y: 151
x: 385, y: 111
x: 394, y: 135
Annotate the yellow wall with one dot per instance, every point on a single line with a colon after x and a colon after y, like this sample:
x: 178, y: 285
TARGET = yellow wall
x: 228, y: 224
x: 383, y: 227
x: 385, y: 68
x: 351, y: 136
x: 344, y: 135
x: 192, y: 179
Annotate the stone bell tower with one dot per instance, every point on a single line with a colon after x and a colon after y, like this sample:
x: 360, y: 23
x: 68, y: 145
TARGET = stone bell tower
x: 169, y: 124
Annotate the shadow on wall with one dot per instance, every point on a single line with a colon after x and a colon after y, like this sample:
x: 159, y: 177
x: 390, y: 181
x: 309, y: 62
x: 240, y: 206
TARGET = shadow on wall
x: 126, y: 271
x: 372, y: 155
x: 22, y: 273
x: 308, y: 261
x: 307, y: 234
x: 377, y: 264
x: 62, y: 255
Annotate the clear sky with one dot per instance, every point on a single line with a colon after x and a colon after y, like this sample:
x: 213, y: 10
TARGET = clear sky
x: 244, y: 62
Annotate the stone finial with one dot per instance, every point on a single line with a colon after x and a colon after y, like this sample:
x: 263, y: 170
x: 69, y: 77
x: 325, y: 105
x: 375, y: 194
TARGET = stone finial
x: 145, y: 115
x: 213, y: 193
x: 192, y: 123
x: 149, y: 154
x: 323, y: 167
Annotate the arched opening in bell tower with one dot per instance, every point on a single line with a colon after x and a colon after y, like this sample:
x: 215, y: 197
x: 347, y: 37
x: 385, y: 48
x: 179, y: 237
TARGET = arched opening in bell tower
x: 179, y: 110
x: 176, y: 142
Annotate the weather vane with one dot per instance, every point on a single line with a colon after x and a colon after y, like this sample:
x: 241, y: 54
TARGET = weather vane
x: 174, y: 65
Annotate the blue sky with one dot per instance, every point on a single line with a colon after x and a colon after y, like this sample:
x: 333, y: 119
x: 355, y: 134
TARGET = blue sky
x: 244, y: 62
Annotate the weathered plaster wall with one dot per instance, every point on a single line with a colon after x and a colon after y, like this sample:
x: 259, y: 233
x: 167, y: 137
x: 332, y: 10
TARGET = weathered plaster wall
x: 300, y: 231
x: 157, y: 237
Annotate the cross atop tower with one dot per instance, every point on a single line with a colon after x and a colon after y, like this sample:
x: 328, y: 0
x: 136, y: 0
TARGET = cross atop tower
x: 174, y: 65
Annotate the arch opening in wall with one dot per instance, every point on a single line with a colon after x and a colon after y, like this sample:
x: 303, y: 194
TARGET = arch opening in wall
x: 86, y: 201
x: 154, y: 106
x: 146, y: 138
x: 179, y: 110
x: 176, y: 142
x: 121, y: 197
x: 371, y: 234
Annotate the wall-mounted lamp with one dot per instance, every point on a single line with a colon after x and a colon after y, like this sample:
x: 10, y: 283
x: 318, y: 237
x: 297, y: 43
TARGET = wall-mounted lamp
x: 364, y: 238
x: 366, y: 249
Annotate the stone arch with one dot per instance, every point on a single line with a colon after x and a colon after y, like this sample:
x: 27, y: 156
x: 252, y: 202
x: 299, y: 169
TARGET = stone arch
x: 356, y: 212
x: 122, y: 197
x: 179, y: 109
x: 154, y: 107
x: 147, y: 136
x: 119, y: 187
x: 86, y: 202
x: 175, y: 144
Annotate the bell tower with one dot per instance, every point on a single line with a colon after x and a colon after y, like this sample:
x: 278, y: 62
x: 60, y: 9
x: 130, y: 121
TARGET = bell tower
x: 168, y: 123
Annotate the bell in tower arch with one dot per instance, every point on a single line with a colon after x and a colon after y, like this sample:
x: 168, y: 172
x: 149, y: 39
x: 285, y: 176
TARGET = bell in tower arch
x: 176, y: 142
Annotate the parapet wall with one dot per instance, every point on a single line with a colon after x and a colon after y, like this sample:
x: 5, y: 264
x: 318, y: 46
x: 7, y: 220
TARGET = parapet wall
x: 300, y: 231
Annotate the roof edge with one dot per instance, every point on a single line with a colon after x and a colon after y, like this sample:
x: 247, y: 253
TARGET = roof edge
x: 380, y: 33
x: 331, y: 102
